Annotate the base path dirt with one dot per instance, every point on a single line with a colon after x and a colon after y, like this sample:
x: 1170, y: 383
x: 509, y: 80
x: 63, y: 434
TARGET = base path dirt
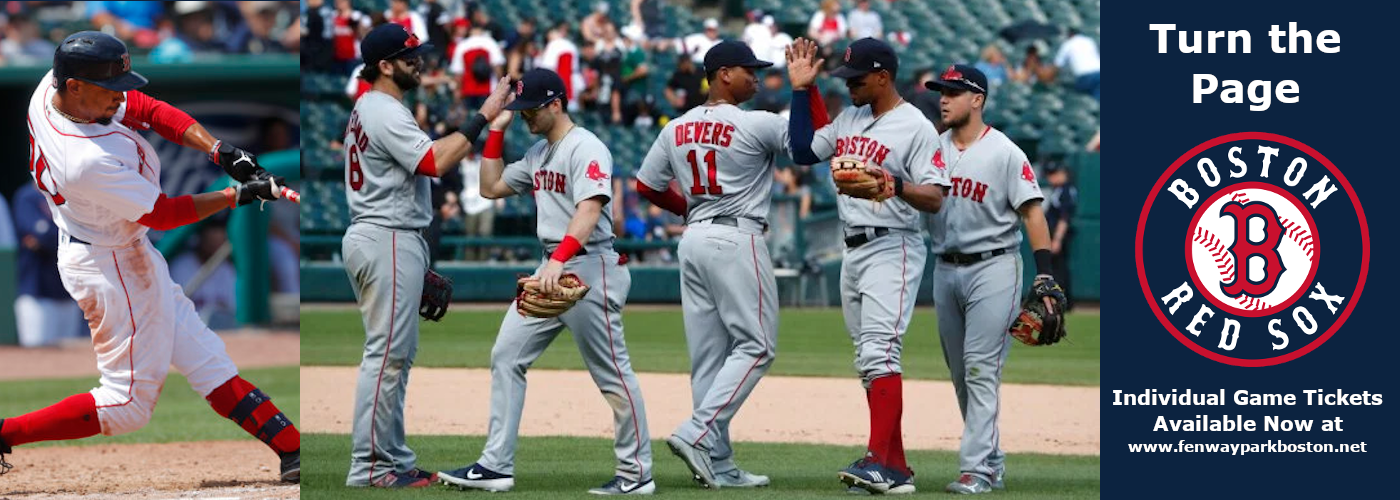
x: 1038, y: 419
x: 209, y: 469
x: 248, y: 348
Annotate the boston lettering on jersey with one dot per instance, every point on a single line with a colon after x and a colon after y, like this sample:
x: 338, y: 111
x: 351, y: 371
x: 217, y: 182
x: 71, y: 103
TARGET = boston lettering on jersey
x: 968, y: 188
x: 716, y: 133
x: 550, y: 181
x: 865, y: 148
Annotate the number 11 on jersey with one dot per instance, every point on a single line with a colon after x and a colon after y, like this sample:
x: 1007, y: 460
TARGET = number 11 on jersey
x: 699, y: 189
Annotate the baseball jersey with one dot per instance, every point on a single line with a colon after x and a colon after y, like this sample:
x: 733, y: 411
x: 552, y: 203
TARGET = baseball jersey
x: 723, y: 158
x: 991, y: 179
x: 384, y: 150
x: 901, y: 141
x: 99, y: 179
x: 561, y: 176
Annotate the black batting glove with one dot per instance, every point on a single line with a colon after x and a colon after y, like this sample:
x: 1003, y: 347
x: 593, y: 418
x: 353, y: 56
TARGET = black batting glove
x: 241, y: 165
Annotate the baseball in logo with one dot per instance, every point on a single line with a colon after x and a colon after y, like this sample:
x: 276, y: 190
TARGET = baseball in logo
x: 1275, y: 249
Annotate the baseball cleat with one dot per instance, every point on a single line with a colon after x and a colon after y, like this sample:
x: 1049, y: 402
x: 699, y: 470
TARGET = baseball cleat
x: 291, y: 467
x: 697, y: 459
x: 856, y: 490
x: 968, y: 484
x: 392, y: 480
x: 477, y: 477
x: 621, y: 486
x: 738, y: 478
x: 866, y: 474
x: 903, y: 483
x: 999, y: 482
x: 4, y: 448
x: 421, y: 474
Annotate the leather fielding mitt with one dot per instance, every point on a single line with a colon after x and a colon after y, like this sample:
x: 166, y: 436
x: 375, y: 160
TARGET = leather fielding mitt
x: 1039, y: 324
x: 531, y: 301
x: 437, y: 293
x: 856, y: 179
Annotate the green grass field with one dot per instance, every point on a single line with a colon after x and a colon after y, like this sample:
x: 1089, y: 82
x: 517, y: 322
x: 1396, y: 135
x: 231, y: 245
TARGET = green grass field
x: 811, y: 342
x: 559, y: 467
x: 181, y: 415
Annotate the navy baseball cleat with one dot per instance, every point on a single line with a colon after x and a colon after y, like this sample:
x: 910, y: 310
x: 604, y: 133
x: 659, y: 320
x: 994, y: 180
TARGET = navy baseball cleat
x: 869, y: 475
x: 478, y: 478
x: 422, y: 474
x: 622, y: 486
x: 4, y: 448
x: 392, y: 480
x: 291, y: 467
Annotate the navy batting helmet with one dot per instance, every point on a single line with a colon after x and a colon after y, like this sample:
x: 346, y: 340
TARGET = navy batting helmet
x: 96, y: 58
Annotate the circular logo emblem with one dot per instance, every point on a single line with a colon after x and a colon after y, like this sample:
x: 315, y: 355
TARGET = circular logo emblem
x: 1252, y: 211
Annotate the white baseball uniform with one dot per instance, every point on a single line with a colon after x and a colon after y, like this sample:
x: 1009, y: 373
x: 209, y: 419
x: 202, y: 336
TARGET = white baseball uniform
x: 99, y: 180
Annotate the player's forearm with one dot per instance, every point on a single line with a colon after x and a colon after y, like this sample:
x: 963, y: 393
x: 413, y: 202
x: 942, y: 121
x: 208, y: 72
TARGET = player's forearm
x: 585, y: 218
x: 169, y: 213
x: 1033, y: 216
x: 669, y: 200
x: 923, y: 197
x: 198, y: 139
x: 493, y: 167
x: 207, y: 204
x: 801, y: 131
x: 448, y: 153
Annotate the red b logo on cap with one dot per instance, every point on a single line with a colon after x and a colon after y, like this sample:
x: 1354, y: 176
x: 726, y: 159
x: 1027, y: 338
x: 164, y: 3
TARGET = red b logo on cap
x: 952, y: 74
x: 520, y: 88
x: 848, y: 54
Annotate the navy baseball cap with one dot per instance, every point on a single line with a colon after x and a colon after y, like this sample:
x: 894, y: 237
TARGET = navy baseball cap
x: 96, y: 58
x: 391, y: 41
x: 960, y: 77
x: 536, y: 88
x: 732, y: 53
x: 866, y: 55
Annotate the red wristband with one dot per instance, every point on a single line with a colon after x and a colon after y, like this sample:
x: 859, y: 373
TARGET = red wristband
x: 567, y: 249
x: 232, y: 197
x: 495, y: 145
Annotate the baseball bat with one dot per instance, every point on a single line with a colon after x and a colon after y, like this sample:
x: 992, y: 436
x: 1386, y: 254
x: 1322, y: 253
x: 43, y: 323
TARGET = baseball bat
x: 291, y: 194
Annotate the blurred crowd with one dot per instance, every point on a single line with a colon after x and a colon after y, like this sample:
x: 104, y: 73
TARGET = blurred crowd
x: 166, y: 31
x: 609, y: 63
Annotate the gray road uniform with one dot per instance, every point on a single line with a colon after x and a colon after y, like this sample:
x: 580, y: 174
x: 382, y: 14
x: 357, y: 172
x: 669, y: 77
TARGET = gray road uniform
x: 385, y: 257
x: 977, y: 281
x: 723, y: 159
x: 884, y: 259
x: 561, y: 176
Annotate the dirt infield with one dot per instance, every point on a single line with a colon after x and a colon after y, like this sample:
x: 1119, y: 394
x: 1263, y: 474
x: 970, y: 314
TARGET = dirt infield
x: 210, y: 469
x: 248, y: 348
x: 1040, y: 419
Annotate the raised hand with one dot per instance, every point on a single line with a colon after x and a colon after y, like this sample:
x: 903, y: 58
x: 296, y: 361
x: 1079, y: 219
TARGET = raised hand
x: 802, y: 63
x: 497, y: 100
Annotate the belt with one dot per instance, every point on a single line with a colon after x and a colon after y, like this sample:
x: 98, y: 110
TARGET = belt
x: 726, y: 220
x: 964, y: 259
x: 869, y: 235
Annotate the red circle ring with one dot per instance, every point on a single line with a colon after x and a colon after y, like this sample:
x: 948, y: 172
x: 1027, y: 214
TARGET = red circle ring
x: 1241, y: 268
x: 1360, y: 217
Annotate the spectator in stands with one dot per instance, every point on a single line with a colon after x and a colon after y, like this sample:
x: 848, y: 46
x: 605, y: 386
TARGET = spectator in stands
x: 196, y: 28
x: 772, y: 96
x: 482, y: 18
x: 865, y: 23
x: 755, y: 32
x: 609, y: 49
x: 649, y: 13
x: 1080, y: 54
x: 350, y: 26
x: 447, y: 211
x: 477, y: 63
x: 439, y: 22
x: 794, y: 180
x: 925, y: 100
x: 1060, y: 208
x: 993, y: 64
x: 23, y: 45
x: 827, y: 26
x: 134, y: 22
x: 399, y: 14
x: 562, y: 57
x: 593, y: 25
x: 44, y: 312
x: 259, y: 33
x: 686, y: 88
x: 767, y: 41
x: 636, y: 79
x: 522, y: 57
x: 1033, y: 69
x: 524, y: 31
x: 697, y: 44
x: 318, y: 38
x: 213, y: 294
x: 480, y: 212
x: 356, y: 86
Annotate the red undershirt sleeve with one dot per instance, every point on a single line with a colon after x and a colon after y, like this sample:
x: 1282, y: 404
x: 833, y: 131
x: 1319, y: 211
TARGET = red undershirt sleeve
x: 170, y: 213
x: 669, y: 200
x: 144, y: 112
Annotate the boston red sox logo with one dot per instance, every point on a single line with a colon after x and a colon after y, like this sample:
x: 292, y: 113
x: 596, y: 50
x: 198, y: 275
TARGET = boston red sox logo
x: 594, y: 172
x: 1251, y: 215
x: 938, y: 160
x: 951, y: 73
x: 1027, y: 173
x: 519, y: 88
x: 126, y: 63
x: 848, y: 54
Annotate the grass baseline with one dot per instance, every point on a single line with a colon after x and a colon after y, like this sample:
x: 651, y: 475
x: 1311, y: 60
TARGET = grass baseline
x: 565, y: 467
x: 811, y: 342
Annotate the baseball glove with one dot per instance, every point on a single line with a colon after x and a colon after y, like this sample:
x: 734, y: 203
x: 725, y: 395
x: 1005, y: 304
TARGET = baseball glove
x: 856, y: 179
x: 1038, y: 324
x: 437, y: 293
x: 530, y: 301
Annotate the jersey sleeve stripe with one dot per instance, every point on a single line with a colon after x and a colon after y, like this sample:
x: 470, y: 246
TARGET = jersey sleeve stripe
x: 427, y: 166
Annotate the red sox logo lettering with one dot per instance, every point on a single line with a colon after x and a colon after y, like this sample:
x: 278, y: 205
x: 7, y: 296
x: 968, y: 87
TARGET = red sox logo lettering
x: 594, y: 172
x: 1252, y: 234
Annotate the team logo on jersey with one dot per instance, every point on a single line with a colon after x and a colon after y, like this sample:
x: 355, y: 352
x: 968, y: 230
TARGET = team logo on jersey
x: 1252, y: 212
x: 595, y: 172
x: 1027, y: 173
x: 938, y: 160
